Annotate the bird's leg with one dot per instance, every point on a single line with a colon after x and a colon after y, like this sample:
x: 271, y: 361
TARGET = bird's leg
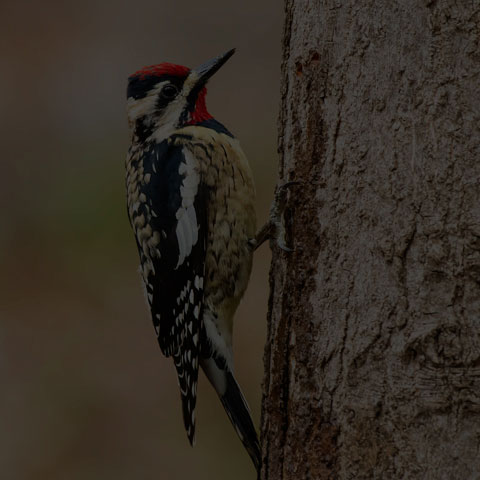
x: 275, y: 227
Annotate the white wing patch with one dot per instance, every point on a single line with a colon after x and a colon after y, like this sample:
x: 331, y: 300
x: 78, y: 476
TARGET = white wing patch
x: 187, y: 225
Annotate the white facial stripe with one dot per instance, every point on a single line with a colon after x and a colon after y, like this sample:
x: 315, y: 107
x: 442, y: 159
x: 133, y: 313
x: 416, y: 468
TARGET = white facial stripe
x: 144, y: 106
x: 165, y: 125
x: 190, y: 82
x: 166, y: 121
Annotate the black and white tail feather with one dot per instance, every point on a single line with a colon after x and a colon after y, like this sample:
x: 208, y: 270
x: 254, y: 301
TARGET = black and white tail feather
x: 234, y: 403
x: 237, y: 410
x: 187, y: 381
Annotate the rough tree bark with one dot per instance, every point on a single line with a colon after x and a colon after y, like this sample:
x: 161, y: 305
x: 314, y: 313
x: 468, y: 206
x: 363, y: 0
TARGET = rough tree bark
x: 372, y: 366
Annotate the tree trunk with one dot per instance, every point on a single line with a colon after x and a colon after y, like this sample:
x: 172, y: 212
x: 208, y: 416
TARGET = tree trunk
x: 372, y: 364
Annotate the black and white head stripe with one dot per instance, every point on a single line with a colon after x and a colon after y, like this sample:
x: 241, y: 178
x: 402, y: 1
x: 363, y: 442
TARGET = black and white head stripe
x: 139, y: 87
x: 159, y: 108
x: 160, y: 102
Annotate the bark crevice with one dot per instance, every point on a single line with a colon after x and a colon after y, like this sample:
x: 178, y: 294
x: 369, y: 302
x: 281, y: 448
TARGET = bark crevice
x: 373, y: 354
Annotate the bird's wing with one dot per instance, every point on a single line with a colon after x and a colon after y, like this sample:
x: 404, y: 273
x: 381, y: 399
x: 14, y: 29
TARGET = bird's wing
x: 174, y: 202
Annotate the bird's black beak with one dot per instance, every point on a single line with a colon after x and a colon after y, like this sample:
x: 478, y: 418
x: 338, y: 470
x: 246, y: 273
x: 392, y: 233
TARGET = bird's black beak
x: 207, y: 69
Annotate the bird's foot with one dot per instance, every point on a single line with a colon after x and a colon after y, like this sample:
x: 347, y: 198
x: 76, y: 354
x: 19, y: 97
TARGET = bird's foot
x: 274, y: 229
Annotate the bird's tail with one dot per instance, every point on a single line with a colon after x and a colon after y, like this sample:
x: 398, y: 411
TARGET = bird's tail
x: 187, y: 376
x: 237, y: 409
x: 235, y: 405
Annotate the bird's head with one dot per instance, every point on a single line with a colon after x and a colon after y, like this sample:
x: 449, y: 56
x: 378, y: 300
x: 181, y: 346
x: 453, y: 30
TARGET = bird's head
x: 164, y: 97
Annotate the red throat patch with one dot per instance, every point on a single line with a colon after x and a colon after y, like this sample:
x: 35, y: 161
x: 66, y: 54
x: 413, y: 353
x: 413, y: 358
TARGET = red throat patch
x: 200, y: 113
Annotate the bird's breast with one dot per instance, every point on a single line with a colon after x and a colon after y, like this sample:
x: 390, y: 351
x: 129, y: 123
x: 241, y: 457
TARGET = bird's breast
x: 231, y: 219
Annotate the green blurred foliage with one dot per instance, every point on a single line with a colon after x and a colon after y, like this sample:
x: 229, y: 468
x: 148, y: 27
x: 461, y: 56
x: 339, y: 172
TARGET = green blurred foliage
x: 86, y: 392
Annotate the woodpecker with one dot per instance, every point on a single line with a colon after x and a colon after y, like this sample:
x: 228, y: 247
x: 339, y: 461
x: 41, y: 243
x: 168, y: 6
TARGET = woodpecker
x: 190, y: 198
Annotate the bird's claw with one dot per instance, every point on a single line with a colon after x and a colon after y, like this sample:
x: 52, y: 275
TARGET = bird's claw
x: 275, y: 227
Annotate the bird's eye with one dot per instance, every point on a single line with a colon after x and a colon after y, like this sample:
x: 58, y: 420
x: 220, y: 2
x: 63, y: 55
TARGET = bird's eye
x: 169, y: 91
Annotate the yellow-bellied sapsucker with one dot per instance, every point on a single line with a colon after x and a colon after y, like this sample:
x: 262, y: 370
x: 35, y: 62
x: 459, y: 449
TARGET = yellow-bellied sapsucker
x: 191, y: 205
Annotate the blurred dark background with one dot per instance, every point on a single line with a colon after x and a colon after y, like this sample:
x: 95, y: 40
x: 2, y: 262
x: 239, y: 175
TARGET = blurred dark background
x: 86, y: 393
